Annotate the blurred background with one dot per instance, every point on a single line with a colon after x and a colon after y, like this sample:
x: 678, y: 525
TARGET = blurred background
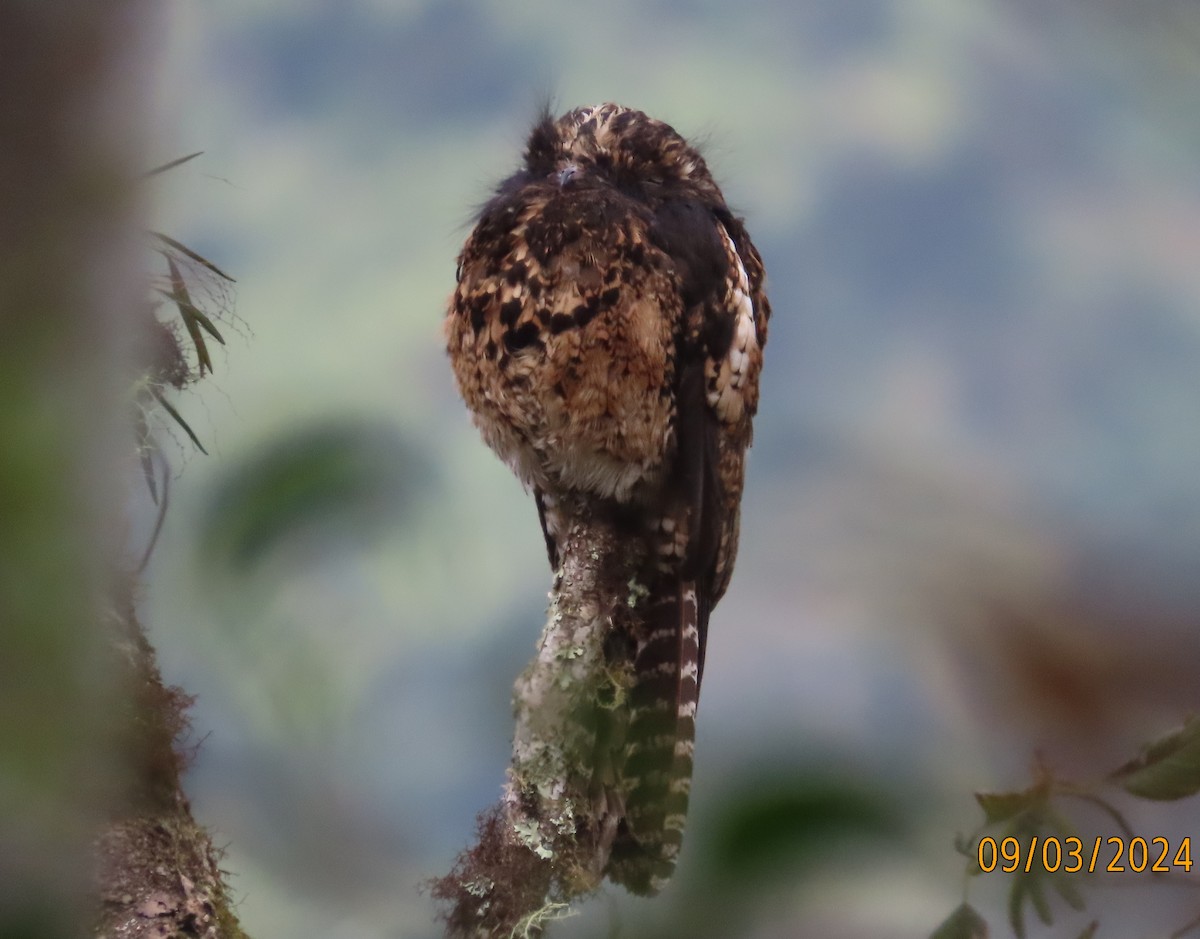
x: 971, y: 528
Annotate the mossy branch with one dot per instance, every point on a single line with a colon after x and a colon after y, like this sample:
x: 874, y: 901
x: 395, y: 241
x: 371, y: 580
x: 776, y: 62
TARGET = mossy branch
x: 157, y: 870
x: 548, y: 840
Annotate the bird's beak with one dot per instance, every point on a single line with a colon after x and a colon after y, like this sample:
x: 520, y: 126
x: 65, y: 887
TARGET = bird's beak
x: 567, y: 173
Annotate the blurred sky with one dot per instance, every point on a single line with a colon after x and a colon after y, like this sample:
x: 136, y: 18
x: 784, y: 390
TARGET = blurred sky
x: 981, y: 226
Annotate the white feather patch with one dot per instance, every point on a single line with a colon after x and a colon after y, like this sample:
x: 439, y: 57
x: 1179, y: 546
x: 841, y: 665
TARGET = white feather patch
x: 727, y: 378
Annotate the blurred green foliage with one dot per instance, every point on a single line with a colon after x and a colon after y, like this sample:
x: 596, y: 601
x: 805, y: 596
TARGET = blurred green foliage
x: 772, y: 828
x: 342, y: 479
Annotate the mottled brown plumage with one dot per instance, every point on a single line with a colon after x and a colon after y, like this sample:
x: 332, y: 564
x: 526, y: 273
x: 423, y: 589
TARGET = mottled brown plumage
x: 607, y: 334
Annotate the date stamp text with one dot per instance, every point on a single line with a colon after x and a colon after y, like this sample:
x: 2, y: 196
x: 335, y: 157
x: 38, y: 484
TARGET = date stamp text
x: 1071, y: 855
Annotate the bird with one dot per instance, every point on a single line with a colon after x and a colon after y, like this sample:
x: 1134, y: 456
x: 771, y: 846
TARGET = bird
x: 606, y: 332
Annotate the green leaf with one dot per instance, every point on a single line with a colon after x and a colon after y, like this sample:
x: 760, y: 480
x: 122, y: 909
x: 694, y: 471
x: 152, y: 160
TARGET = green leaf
x: 170, y: 165
x: 1016, y: 903
x: 344, y: 478
x: 1003, y: 806
x: 199, y: 259
x: 776, y: 826
x: 187, y: 309
x: 1037, y: 894
x: 180, y: 421
x: 968, y: 847
x: 963, y: 923
x: 1168, y: 769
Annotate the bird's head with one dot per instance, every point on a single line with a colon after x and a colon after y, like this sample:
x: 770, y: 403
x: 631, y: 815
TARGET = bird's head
x: 611, y: 145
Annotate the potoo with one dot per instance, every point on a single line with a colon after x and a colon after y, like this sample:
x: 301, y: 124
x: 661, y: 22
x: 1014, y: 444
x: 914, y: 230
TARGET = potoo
x: 607, y: 333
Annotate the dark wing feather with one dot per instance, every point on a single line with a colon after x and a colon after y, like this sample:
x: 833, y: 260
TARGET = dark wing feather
x: 669, y: 658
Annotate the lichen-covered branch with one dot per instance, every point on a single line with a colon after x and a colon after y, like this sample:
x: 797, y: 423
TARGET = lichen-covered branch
x: 157, y: 871
x: 548, y: 840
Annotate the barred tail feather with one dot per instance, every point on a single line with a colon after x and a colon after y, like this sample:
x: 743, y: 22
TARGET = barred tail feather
x: 657, y: 772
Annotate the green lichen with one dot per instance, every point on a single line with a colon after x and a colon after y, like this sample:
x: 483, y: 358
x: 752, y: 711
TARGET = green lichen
x: 480, y: 887
x: 534, y: 924
x: 637, y: 592
x: 529, y: 833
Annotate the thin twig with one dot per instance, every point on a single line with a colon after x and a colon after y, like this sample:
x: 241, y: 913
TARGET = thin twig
x: 162, y: 513
x: 171, y: 164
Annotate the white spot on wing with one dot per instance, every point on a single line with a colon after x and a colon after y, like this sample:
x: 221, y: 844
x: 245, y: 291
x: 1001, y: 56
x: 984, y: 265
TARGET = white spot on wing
x: 726, y: 378
x: 675, y: 821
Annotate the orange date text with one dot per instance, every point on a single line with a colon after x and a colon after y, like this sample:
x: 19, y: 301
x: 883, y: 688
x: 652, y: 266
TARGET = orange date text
x: 1071, y: 855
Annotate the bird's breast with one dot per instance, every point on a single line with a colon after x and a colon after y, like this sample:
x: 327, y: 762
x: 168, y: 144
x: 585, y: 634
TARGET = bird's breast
x: 562, y: 336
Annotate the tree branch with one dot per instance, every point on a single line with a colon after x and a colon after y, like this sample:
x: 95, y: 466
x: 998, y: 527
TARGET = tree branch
x: 548, y: 841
